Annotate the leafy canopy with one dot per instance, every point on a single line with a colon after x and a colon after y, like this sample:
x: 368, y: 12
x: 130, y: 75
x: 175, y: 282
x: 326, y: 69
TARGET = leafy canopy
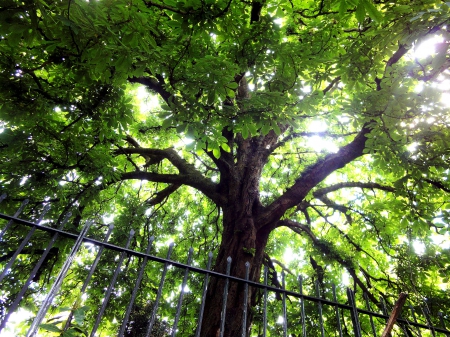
x: 312, y: 74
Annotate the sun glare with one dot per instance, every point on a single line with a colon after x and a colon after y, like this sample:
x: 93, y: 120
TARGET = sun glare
x: 427, y: 47
x: 147, y: 100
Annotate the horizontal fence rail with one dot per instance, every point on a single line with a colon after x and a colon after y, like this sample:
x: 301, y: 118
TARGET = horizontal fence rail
x: 278, y: 312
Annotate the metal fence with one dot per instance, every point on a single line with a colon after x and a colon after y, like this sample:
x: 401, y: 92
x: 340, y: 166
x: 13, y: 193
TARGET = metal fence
x: 175, y: 303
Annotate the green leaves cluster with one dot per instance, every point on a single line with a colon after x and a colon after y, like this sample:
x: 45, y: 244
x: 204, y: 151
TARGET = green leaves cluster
x: 309, y: 74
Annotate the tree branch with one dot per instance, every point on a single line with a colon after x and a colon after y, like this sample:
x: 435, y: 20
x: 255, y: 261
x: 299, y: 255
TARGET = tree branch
x: 157, y: 85
x: 170, y: 154
x: 309, y: 134
x: 322, y: 247
x: 162, y: 6
x: 331, y: 85
x: 159, y: 197
x: 313, y: 175
x: 193, y: 179
x: 437, y: 184
x: 351, y: 184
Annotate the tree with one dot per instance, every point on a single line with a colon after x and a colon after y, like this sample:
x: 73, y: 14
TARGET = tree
x: 313, y: 126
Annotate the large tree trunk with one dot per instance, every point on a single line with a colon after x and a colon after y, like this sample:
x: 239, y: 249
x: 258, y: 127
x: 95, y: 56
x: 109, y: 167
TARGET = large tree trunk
x: 243, y: 243
x: 244, y: 238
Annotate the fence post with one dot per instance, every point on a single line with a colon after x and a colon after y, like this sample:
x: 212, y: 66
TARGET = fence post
x: 244, y: 319
x: 180, y: 299
x: 366, y: 298
x: 33, y: 273
x: 111, y: 286
x: 57, y: 284
x: 158, y: 294
x: 354, y: 313
x: 88, y: 278
x: 23, y: 243
x: 265, y: 302
x: 225, y: 298
x: 10, y: 222
x: 302, y: 305
x: 136, y: 288
x: 338, y: 319
x: 205, y: 288
x: 319, y: 305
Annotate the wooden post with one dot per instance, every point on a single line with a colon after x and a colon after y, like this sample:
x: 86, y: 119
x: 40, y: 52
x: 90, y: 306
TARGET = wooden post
x: 394, y: 314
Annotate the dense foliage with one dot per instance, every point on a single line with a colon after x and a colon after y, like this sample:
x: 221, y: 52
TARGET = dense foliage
x: 309, y: 136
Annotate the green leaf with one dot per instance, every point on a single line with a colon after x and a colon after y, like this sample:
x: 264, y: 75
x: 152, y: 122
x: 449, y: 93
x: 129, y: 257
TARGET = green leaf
x: 80, y: 313
x: 50, y: 327
x: 276, y: 128
x: 360, y: 12
x: 342, y: 8
x: 216, y: 152
x: 244, y: 132
x: 374, y: 14
x: 265, y: 129
x: 211, y: 97
x: 225, y: 147
x: 167, y: 122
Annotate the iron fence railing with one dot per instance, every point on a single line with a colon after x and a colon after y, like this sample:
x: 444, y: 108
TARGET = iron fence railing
x: 289, y: 313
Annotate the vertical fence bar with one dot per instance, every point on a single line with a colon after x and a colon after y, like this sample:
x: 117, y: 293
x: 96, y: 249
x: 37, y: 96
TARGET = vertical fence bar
x: 265, y: 302
x: 415, y: 319
x: 136, y: 288
x: 3, y: 197
x: 384, y: 308
x: 441, y: 319
x: 302, y: 305
x: 111, y: 286
x: 23, y: 244
x: 88, y: 278
x: 366, y: 298
x: 158, y: 295
x: 426, y: 312
x: 38, y: 265
x: 284, y: 304
x: 180, y: 299
x: 244, y: 319
x: 205, y: 288
x: 225, y: 297
x: 319, y: 305
x: 57, y: 284
x: 338, y: 318
x: 354, y: 313
x: 10, y: 222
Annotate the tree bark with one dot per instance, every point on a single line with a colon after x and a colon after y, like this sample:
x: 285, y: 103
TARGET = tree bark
x: 243, y: 244
x: 247, y: 223
x: 243, y: 238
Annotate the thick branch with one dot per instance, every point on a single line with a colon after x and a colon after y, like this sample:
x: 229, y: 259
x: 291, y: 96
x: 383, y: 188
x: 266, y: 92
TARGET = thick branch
x: 314, y: 175
x: 437, y: 184
x: 161, y: 195
x: 157, y: 85
x: 195, y: 180
x: 170, y: 154
x: 189, y: 175
x: 351, y: 184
